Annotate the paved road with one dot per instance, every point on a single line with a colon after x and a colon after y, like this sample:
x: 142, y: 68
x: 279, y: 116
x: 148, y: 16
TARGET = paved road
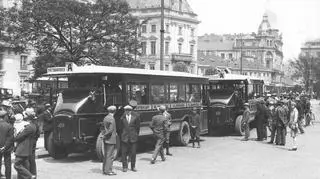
x: 219, y: 157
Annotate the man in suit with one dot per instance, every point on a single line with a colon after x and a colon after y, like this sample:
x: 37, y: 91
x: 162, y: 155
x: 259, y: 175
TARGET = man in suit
x: 46, y: 118
x: 109, y: 141
x: 159, y: 126
x: 168, y: 117
x: 6, y: 143
x: 24, y: 149
x: 129, y: 129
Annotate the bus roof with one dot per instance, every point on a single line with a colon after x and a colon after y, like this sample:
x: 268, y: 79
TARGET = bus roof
x: 230, y: 77
x: 95, y: 69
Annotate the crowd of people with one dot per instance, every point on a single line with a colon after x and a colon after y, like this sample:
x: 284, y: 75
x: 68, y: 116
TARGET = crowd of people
x: 19, y: 132
x: 279, y: 115
x: 128, y: 131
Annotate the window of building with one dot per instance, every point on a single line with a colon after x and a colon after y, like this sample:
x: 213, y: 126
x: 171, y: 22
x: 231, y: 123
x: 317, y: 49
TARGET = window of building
x: 180, y: 5
x: 166, y: 51
x: 158, y: 93
x: 222, y: 55
x: 192, y: 32
x: 23, y: 82
x: 230, y: 55
x: 1, y: 61
x: 167, y: 28
x: 180, y: 47
x: 153, y: 48
x: 191, y: 49
x: 153, y: 28
x: 144, y: 48
x: 151, y: 67
x: 137, y: 92
x: 23, y: 62
x: 180, y: 30
x: 166, y: 67
x: 144, y: 28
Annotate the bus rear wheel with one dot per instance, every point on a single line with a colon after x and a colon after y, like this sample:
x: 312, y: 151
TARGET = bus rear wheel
x: 184, y: 134
x: 239, y: 126
x: 100, y: 148
x: 55, y: 151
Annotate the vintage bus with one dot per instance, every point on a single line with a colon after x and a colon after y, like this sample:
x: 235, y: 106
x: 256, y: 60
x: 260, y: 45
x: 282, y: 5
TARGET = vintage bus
x: 81, y: 107
x: 227, y: 94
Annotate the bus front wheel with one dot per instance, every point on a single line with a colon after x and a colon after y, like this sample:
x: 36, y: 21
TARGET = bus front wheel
x: 55, y: 151
x: 184, y: 134
x: 100, y: 148
x: 239, y: 126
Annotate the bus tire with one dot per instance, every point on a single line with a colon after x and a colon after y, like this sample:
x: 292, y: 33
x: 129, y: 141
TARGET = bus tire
x: 56, y: 152
x: 184, y: 134
x: 239, y: 126
x: 100, y: 148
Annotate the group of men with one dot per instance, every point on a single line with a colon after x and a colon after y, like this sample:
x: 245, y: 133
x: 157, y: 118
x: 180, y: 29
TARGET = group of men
x: 19, y: 132
x: 278, y: 115
x: 128, y: 128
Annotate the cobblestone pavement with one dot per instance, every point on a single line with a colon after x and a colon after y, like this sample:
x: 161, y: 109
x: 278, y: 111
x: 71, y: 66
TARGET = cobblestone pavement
x: 219, y: 157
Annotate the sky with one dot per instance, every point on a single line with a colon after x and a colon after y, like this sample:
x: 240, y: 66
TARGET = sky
x: 297, y: 20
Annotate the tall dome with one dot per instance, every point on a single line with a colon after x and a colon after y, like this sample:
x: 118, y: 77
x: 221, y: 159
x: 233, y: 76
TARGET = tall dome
x: 265, y: 25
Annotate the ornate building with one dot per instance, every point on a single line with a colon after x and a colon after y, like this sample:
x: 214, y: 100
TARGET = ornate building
x: 256, y: 54
x: 180, y: 38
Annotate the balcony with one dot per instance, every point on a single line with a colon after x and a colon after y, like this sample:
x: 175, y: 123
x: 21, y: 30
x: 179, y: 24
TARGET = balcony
x: 182, y: 57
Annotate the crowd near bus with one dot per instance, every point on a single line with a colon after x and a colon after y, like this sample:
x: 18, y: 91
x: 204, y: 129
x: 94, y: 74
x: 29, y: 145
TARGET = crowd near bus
x: 110, y: 109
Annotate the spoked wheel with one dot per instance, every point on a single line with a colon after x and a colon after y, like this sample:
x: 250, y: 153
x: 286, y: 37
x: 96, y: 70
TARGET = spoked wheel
x: 184, y: 134
x: 240, y: 126
x: 55, y: 151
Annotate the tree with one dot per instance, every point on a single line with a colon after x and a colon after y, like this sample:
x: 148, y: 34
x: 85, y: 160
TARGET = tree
x: 181, y: 67
x: 102, y: 33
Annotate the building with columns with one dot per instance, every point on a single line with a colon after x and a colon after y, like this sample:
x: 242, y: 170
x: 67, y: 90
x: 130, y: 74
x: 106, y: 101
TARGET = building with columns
x: 255, y: 54
x: 180, y: 36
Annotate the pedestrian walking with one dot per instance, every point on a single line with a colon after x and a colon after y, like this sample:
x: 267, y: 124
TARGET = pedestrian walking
x: 6, y: 144
x: 293, y: 124
x: 167, y: 115
x: 159, y: 126
x: 246, y: 120
x: 46, y: 118
x: 195, y: 127
x: 24, y: 150
x: 109, y: 141
x: 129, y: 129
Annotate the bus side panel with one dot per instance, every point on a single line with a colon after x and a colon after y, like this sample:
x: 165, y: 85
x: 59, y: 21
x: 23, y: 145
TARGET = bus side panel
x: 204, y: 120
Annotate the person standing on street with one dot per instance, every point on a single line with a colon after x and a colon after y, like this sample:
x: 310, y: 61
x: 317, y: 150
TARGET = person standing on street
x: 281, y: 114
x: 6, y: 144
x: 273, y: 121
x: 195, y: 126
x: 167, y: 115
x: 159, y: 126
x: 109, y: 141
x: 46, y: 118
x: 6, y: 106
x: 24, y: 150
x: 246, y: 118
x: 129, y: 129
x: 260, y: 118
x: 300, y: 115
x: 293, y: 124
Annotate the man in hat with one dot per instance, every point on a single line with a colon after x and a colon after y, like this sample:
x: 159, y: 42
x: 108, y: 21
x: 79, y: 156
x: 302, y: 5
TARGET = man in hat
x: 300, y: 115
x: 246, y: 120
x: 167, y: 115
x: 293, y: 124
x: 281, y: 115
x: 129, y: 130
x: 25, y: 148
x: 46, y: 118
x: 6, y: 144
x: 195, y: 126
x: 109, y: 141
x: 9, y: 117
x: 273, y: 121
x: 159, y: 126
x: 261, y: 118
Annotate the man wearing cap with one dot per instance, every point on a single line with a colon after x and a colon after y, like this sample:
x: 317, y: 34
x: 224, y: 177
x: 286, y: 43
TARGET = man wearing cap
x: 46, y: 118
x: 167, y: 115
x: 109, y: 141
x: 159, y: 126
x: 25, y: 148
x: 261, y: 117
x: 246, y: 118
x: 281, y: 115
x: 9, y: 117
x: 195, y: 126
x: 300, y: 115
x: 129, y: 130
x: 6, y: 144
x: 273, y: 121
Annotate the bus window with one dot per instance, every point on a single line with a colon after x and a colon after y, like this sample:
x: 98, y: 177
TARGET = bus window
x: 137, y: 92
x: 181, y: 93
x: 193, y: 93
x: 173, y: 97
x: 158, y: 93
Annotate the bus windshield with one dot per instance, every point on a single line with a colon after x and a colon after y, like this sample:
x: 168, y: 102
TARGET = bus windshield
x: 73, y: 95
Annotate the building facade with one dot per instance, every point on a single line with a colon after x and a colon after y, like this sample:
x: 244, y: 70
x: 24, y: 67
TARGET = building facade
x: 180, y: 33
x: 256, y: 54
